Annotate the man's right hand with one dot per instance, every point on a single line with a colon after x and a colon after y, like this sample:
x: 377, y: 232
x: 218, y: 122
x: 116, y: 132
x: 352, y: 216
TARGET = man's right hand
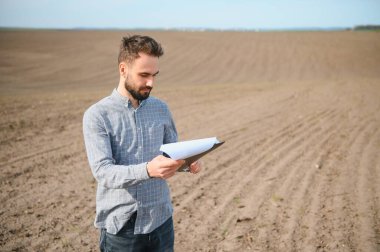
x: 163, y: 167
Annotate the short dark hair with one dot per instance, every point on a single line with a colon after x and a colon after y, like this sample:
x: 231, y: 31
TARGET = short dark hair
x: 131, y: 46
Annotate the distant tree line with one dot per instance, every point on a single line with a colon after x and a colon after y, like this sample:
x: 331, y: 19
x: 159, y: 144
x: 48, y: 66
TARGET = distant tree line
x: 367, y: 27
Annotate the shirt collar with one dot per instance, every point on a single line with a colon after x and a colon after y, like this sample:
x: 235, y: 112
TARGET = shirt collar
x: 124, y: 100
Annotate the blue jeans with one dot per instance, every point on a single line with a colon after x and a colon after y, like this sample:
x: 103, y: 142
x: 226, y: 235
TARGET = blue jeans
x: 159, y: 240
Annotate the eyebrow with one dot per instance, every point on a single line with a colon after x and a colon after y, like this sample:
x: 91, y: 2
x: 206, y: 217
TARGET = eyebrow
x: 150, y: 73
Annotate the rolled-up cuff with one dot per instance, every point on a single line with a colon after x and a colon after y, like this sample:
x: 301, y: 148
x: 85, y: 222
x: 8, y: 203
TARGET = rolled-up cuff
x: 141, y: 172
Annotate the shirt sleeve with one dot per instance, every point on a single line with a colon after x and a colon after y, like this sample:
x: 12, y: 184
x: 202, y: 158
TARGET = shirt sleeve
x: 99, y: 153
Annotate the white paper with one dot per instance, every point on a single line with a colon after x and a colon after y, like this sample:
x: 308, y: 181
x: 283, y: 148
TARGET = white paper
x: 186, y: 149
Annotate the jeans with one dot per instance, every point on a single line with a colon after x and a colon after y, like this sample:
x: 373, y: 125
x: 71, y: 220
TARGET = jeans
x: 159, y: 240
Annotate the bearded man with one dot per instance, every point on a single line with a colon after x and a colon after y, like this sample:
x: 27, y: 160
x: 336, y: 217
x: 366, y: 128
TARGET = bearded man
x: 123, y: 134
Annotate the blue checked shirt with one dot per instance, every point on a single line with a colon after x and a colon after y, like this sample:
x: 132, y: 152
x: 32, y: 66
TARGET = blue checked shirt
x: 120, y: 140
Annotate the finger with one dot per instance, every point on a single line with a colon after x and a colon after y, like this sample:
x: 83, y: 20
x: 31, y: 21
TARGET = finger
x: 169, y: 175
x: 194, y: 166
x: 197, y: 169
x: 195, y: 163
x: 172, y: 162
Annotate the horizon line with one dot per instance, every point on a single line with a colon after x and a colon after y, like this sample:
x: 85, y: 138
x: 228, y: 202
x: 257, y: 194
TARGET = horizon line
x: 306, y: 28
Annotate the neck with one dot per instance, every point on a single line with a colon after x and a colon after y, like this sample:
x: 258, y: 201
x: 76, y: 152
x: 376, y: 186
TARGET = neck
x: 121, y: 89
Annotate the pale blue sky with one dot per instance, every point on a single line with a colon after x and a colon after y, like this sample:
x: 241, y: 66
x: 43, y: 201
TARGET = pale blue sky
x: 222, y: 14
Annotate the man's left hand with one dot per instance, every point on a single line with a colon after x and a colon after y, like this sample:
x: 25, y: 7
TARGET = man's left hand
x: 195, y: 167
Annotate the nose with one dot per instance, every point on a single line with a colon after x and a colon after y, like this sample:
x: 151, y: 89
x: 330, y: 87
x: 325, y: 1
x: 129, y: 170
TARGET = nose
x: 150, y: 81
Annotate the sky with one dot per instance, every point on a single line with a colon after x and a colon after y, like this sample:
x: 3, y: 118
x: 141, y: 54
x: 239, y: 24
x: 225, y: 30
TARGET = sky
x: 181, y: 14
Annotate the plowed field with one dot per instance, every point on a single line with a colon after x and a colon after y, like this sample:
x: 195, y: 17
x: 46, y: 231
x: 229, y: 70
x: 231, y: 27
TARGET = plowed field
x: 299, y: 111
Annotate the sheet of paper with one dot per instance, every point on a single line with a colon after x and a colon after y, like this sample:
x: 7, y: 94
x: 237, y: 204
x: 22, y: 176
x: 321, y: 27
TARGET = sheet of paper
x: 191, y: 150
x: 186, y: 149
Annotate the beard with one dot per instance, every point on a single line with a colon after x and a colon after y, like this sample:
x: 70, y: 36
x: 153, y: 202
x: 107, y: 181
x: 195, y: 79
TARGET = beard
x: 139, y: 94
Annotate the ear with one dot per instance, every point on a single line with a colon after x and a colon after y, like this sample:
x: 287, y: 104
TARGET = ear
x: 123, y: 69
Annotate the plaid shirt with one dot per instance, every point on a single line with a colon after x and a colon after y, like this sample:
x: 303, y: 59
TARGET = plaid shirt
x: 120, y: 140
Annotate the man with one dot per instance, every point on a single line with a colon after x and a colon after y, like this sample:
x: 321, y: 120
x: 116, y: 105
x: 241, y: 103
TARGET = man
x: 123, y: 134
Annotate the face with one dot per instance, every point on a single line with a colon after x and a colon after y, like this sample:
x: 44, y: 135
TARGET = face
x: 140, y: 75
